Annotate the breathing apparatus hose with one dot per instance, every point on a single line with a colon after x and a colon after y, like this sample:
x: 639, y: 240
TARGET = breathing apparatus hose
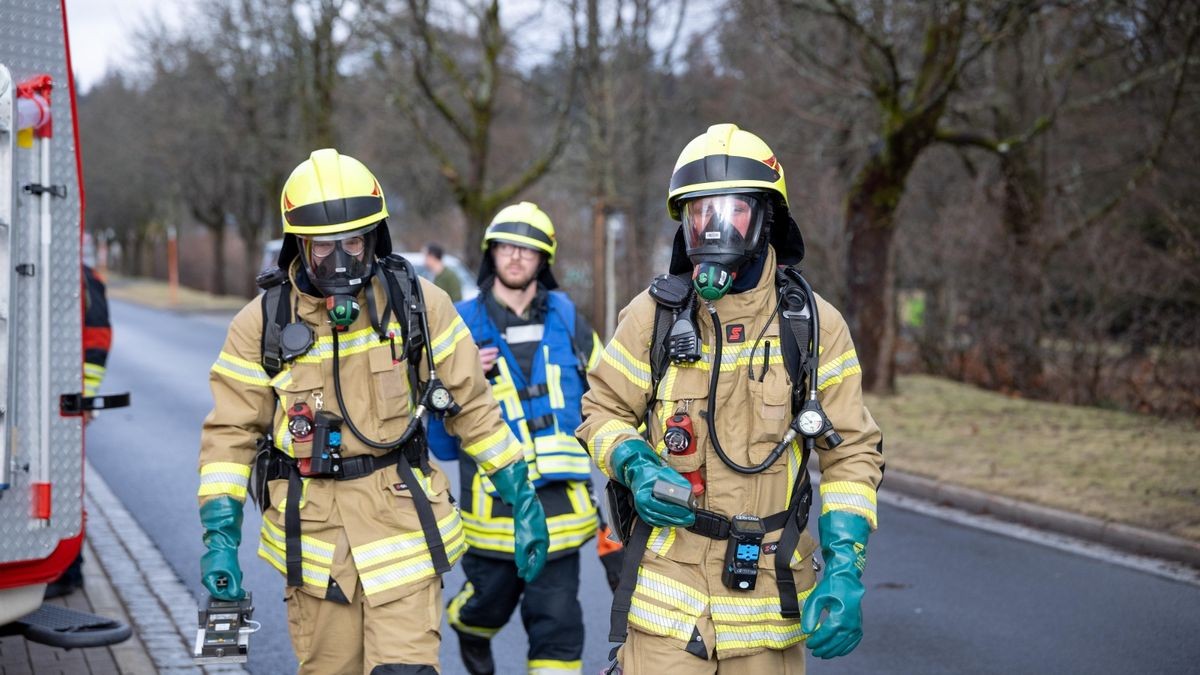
x: 405, y: 437
x: 418, y: 413
x: 714, y: 377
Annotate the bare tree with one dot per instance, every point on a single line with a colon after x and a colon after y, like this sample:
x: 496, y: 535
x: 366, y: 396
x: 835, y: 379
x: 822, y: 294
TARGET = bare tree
x: 459, y: 82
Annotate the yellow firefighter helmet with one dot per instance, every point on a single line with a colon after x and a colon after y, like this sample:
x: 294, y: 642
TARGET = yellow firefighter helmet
x: 722, y: 160
x: 525, y: 225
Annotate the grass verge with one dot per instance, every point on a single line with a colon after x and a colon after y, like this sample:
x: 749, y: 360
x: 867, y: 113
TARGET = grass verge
x: 157, y: 294
x: 1113, y: 465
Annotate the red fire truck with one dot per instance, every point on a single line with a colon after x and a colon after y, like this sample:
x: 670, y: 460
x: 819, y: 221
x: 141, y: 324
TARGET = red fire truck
x: 41, y: 322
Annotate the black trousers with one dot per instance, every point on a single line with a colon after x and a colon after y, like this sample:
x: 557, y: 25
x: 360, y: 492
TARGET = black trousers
x: 550, y: 607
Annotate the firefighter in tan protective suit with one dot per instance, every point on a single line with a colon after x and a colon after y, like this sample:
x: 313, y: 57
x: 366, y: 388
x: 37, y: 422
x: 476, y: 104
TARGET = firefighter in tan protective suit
x: 714, y: 360
x: 318, y: 375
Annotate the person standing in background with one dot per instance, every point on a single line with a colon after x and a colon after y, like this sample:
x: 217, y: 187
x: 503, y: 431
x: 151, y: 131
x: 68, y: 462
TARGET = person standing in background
x: 443, y: 277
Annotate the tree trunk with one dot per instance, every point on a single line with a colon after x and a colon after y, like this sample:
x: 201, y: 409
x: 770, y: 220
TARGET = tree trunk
x: 1023, y: 209
x: 870, y: 310
x: 871, y: 306
x: 218, y: 272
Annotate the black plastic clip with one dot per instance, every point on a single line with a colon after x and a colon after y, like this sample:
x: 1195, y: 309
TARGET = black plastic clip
x: 37, y: 189
x: 71, y: 405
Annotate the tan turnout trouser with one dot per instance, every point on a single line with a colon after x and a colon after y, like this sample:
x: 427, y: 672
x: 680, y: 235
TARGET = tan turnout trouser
x: 645, y: 654
x: 330, y: 637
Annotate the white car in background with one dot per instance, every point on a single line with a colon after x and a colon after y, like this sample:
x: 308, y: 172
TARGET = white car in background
x: 417, y: 258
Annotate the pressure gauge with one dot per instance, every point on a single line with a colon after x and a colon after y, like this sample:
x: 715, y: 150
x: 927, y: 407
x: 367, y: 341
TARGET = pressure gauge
x: 811, y: 423
x: 439, y: 399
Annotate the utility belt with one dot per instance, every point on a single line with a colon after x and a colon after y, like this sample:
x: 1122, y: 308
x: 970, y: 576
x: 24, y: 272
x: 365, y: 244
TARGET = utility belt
x: 272, y: 464
x: 744, y: 534
x: 278, y: 465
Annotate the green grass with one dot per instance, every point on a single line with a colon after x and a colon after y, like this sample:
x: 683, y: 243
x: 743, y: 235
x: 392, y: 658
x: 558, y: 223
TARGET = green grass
x: 1108, y: 464
x: 156, y: 293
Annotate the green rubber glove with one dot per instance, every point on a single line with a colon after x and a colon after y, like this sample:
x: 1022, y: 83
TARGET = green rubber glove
x: 638, y: 467
x: 840, y: 591
x: 222, y: 521
x: 529, y: 519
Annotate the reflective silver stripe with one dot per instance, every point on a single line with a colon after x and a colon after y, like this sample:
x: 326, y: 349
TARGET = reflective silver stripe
x: 496, y: 449
x: 837, y: 370
x: 848, y: 500
x: 256, y: 374
x: 677, y: 626
x: 224, y: 477
x: 676, y: 596
x: 635, y: 368
x: 449, y: 338
x: 397, y: 575
x: 750, y: 636
x: 528, y: 333
x: 400, y: 546
x: 317, y: 577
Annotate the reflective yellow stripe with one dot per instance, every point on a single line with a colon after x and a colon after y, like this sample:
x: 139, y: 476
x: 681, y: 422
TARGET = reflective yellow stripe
x: 304, y: 483
x: 580, y: 496
x: 454, y: 614
x: 224, y: 478
x: 405, y: 545
x: 354, y: 342
x: 312, y: 573
x: 597, y: 349
x: 93, y: 375
x: 761, y: 635
x: 838, y: 369
x: 634, y: 370
x: 604, y: 439
x: 734, y: 609
x: 661, y: 621
x: 554, y: 384
x: 850, y: 496
x: 411, y: 570
x: 505, y: 392
x: 661, y: 539
x: 246, y: 372
x: 311, y: 548
x: 443, y: 344
x: 794, y: 467
x: 498, y: 449
x: 552, y: 667
x: 669, y: 592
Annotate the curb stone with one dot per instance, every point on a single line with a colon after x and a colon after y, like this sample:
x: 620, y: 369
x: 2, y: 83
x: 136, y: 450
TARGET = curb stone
x: 1117, y: 535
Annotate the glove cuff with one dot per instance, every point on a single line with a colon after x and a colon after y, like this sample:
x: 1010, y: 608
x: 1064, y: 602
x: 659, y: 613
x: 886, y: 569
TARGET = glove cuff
x: 631, y: 455
x: 510, y: 481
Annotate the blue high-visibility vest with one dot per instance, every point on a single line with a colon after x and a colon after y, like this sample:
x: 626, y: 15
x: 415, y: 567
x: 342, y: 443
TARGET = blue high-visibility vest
x: 543, y: 411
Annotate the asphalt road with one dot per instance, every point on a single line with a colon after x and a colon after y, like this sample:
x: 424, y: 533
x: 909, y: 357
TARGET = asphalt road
x: 942, y: 598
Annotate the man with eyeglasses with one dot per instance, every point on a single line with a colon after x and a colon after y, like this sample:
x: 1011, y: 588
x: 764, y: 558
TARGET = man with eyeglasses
x: 535, y: 349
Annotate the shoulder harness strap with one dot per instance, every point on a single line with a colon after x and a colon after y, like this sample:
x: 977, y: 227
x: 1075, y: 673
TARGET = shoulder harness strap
x: 276, y: 308
x: 795, y: 330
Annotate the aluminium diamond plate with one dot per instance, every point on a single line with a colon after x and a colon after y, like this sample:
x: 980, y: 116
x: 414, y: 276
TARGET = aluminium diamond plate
x: 32, y: 41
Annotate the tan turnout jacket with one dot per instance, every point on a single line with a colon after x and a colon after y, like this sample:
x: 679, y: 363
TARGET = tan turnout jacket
x: 363, y: 530
x: 679, y: 585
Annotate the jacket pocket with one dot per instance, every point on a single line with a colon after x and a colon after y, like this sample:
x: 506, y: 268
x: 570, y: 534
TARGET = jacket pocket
x: 300, y: 383
x: 316, y: 499
x: 390, y: 383
x: 770, y: 403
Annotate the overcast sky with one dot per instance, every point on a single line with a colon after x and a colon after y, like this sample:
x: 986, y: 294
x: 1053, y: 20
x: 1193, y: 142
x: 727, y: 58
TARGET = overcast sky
x: 101, y: 31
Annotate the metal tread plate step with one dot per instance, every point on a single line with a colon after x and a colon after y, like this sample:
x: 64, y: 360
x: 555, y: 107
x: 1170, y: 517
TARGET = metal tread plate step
x: 70, y: 628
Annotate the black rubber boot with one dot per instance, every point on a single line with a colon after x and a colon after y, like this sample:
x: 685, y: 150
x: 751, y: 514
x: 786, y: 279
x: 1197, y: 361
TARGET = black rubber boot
x: 70, y: 581
x: 476, y: 654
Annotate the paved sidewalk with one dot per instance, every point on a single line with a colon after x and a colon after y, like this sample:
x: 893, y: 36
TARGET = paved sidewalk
x: 117, y: 583
x: 19, y: 656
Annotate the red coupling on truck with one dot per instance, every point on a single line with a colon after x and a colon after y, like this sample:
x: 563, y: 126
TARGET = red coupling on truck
x: 41, y: 501
x: 36, y: 90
